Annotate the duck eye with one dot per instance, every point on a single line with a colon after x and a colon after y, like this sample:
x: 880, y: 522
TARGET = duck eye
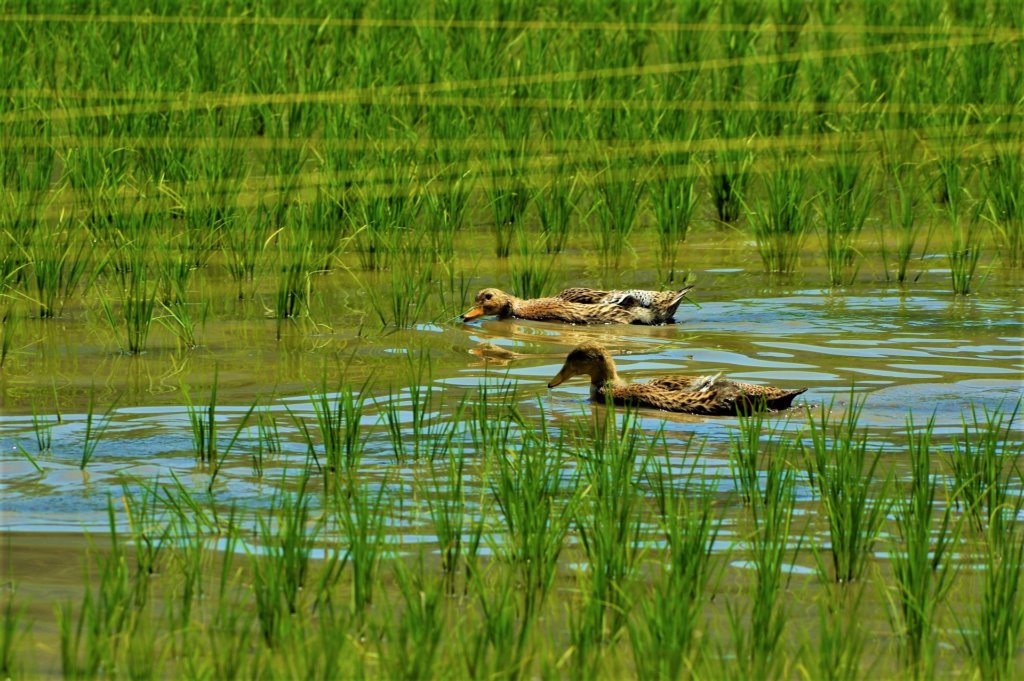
x: 488, y: 296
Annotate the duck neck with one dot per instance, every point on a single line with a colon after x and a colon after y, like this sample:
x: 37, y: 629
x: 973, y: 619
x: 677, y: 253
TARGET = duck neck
x: 603, y: 373
x: 512, y: 308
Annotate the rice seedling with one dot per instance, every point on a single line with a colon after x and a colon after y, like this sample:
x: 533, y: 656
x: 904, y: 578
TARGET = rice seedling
x: 191, y: 560
x: 177, y: 319
x: 201, y: 515
x: 525, y: 485
x: 841, y: 638
x: 674, y: 201
x: 844, y: 199
x: 245, y: 245
x: 294, y: 264
x: 281, y: 569
x: 686, y: 45
x: 11, y: 633
x: 586, y: 651
x: 42, y: 428
x: 414, y: 426
x: 608, y: 518
x: 744, y: 21
x: 174, y: 270
x: 498, y: 644
x: 663, y: 628
x: 218, y: 462
x: 508, y: 198
x: 984, y: 462
x: 320, y: 219
x: 94, y: 428
x: 361, y: 511
x: 752, y: 449
x: 780, y: 221
x: 532, y: 277
x: 904, y: 215
x: 413, y: 641
x: 1003, y: 180
x: 921, y: 561
x: 268, y: 440
x: 993, y: 639
x: 269, y: 436
x: 453, y: 292
x: 447, y: 208
x: 407, y: 296
x: 617, y: 207
x: 777, y: 82
x: 964, y: 253
x: 8, y: 328
x: 61, y: 262
x: 203, y: 420
x: 138, y: 294
x: 378, y: 216
x: 855, y: 500
x: 728, y: 175
x: 758, y: 644
x: 458, y: 533
x: 338, y: 417
x: 229, y: 655
x: 149, y: 538
x: 107, y: 613
x: 824, y: 76
x: 28, y: 457
x: 556, y: 204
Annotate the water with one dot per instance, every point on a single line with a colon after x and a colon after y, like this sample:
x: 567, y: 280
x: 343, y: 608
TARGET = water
x: 919, y: 351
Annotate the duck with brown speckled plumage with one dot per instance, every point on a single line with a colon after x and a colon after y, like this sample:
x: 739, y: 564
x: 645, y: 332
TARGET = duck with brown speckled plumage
x: 709, y: 395
x: 582, y: 306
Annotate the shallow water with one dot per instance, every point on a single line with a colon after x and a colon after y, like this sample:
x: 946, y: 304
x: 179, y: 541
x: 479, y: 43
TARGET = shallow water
x: 918, y: 351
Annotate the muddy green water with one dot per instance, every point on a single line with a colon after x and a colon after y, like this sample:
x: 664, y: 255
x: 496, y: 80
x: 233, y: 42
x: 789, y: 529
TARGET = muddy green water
x: 917, y: 349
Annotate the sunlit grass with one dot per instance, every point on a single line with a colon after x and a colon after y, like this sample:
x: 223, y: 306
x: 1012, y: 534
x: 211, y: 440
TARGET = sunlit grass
x: 411, y: 531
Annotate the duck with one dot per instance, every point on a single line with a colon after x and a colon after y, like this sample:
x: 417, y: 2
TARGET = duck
x: 582, y: 306
x: 705, y: 395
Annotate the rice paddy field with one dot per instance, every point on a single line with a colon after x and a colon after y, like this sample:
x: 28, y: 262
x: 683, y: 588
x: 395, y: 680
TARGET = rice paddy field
x: 244, y: 432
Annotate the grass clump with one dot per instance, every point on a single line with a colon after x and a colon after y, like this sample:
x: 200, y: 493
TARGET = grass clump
x: 922, y: 565
x: 855, y: 500
x: 664, y: 627
x: 780, y: 221
x: 133, y: 320
x: 616, y: 208
x: 1004, y: 190
x: 845, y: 198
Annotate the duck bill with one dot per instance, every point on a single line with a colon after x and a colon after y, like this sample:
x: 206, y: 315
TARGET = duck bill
x: 473, y: 313
x: 559, y: 379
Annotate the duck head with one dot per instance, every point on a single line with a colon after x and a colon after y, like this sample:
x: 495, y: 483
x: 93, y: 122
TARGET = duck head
x: 490, y: 301
x: 589, y: 359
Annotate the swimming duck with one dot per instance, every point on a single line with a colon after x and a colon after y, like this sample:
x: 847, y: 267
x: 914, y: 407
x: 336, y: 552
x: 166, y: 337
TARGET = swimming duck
x: 709, y: 395
x: 582, y: 306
